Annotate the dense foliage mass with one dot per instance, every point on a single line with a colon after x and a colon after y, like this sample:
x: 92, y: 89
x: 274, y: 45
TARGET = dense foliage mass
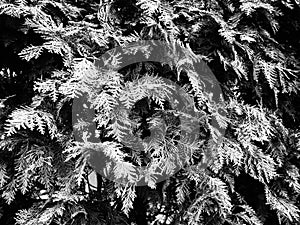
x: 48, y: 49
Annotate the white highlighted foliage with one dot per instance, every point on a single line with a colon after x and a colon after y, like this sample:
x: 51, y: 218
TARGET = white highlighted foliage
x: 203, y: 149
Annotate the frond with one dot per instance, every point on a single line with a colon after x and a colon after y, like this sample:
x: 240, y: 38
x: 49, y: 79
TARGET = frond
x: 283, y: 207
x: 248, y: 7
x: 127, y: 194
x: 3, y: 175
x: 29, y: 118
x: 31, y: 52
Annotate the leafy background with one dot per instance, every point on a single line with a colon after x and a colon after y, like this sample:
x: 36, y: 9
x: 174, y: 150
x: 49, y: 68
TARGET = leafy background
x: 47, y: 52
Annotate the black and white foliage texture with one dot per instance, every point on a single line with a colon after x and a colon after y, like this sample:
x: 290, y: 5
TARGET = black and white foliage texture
x: 48, y: 51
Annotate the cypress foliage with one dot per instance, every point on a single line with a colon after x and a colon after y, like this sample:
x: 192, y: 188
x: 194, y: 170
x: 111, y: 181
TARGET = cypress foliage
x: 48, y: 49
